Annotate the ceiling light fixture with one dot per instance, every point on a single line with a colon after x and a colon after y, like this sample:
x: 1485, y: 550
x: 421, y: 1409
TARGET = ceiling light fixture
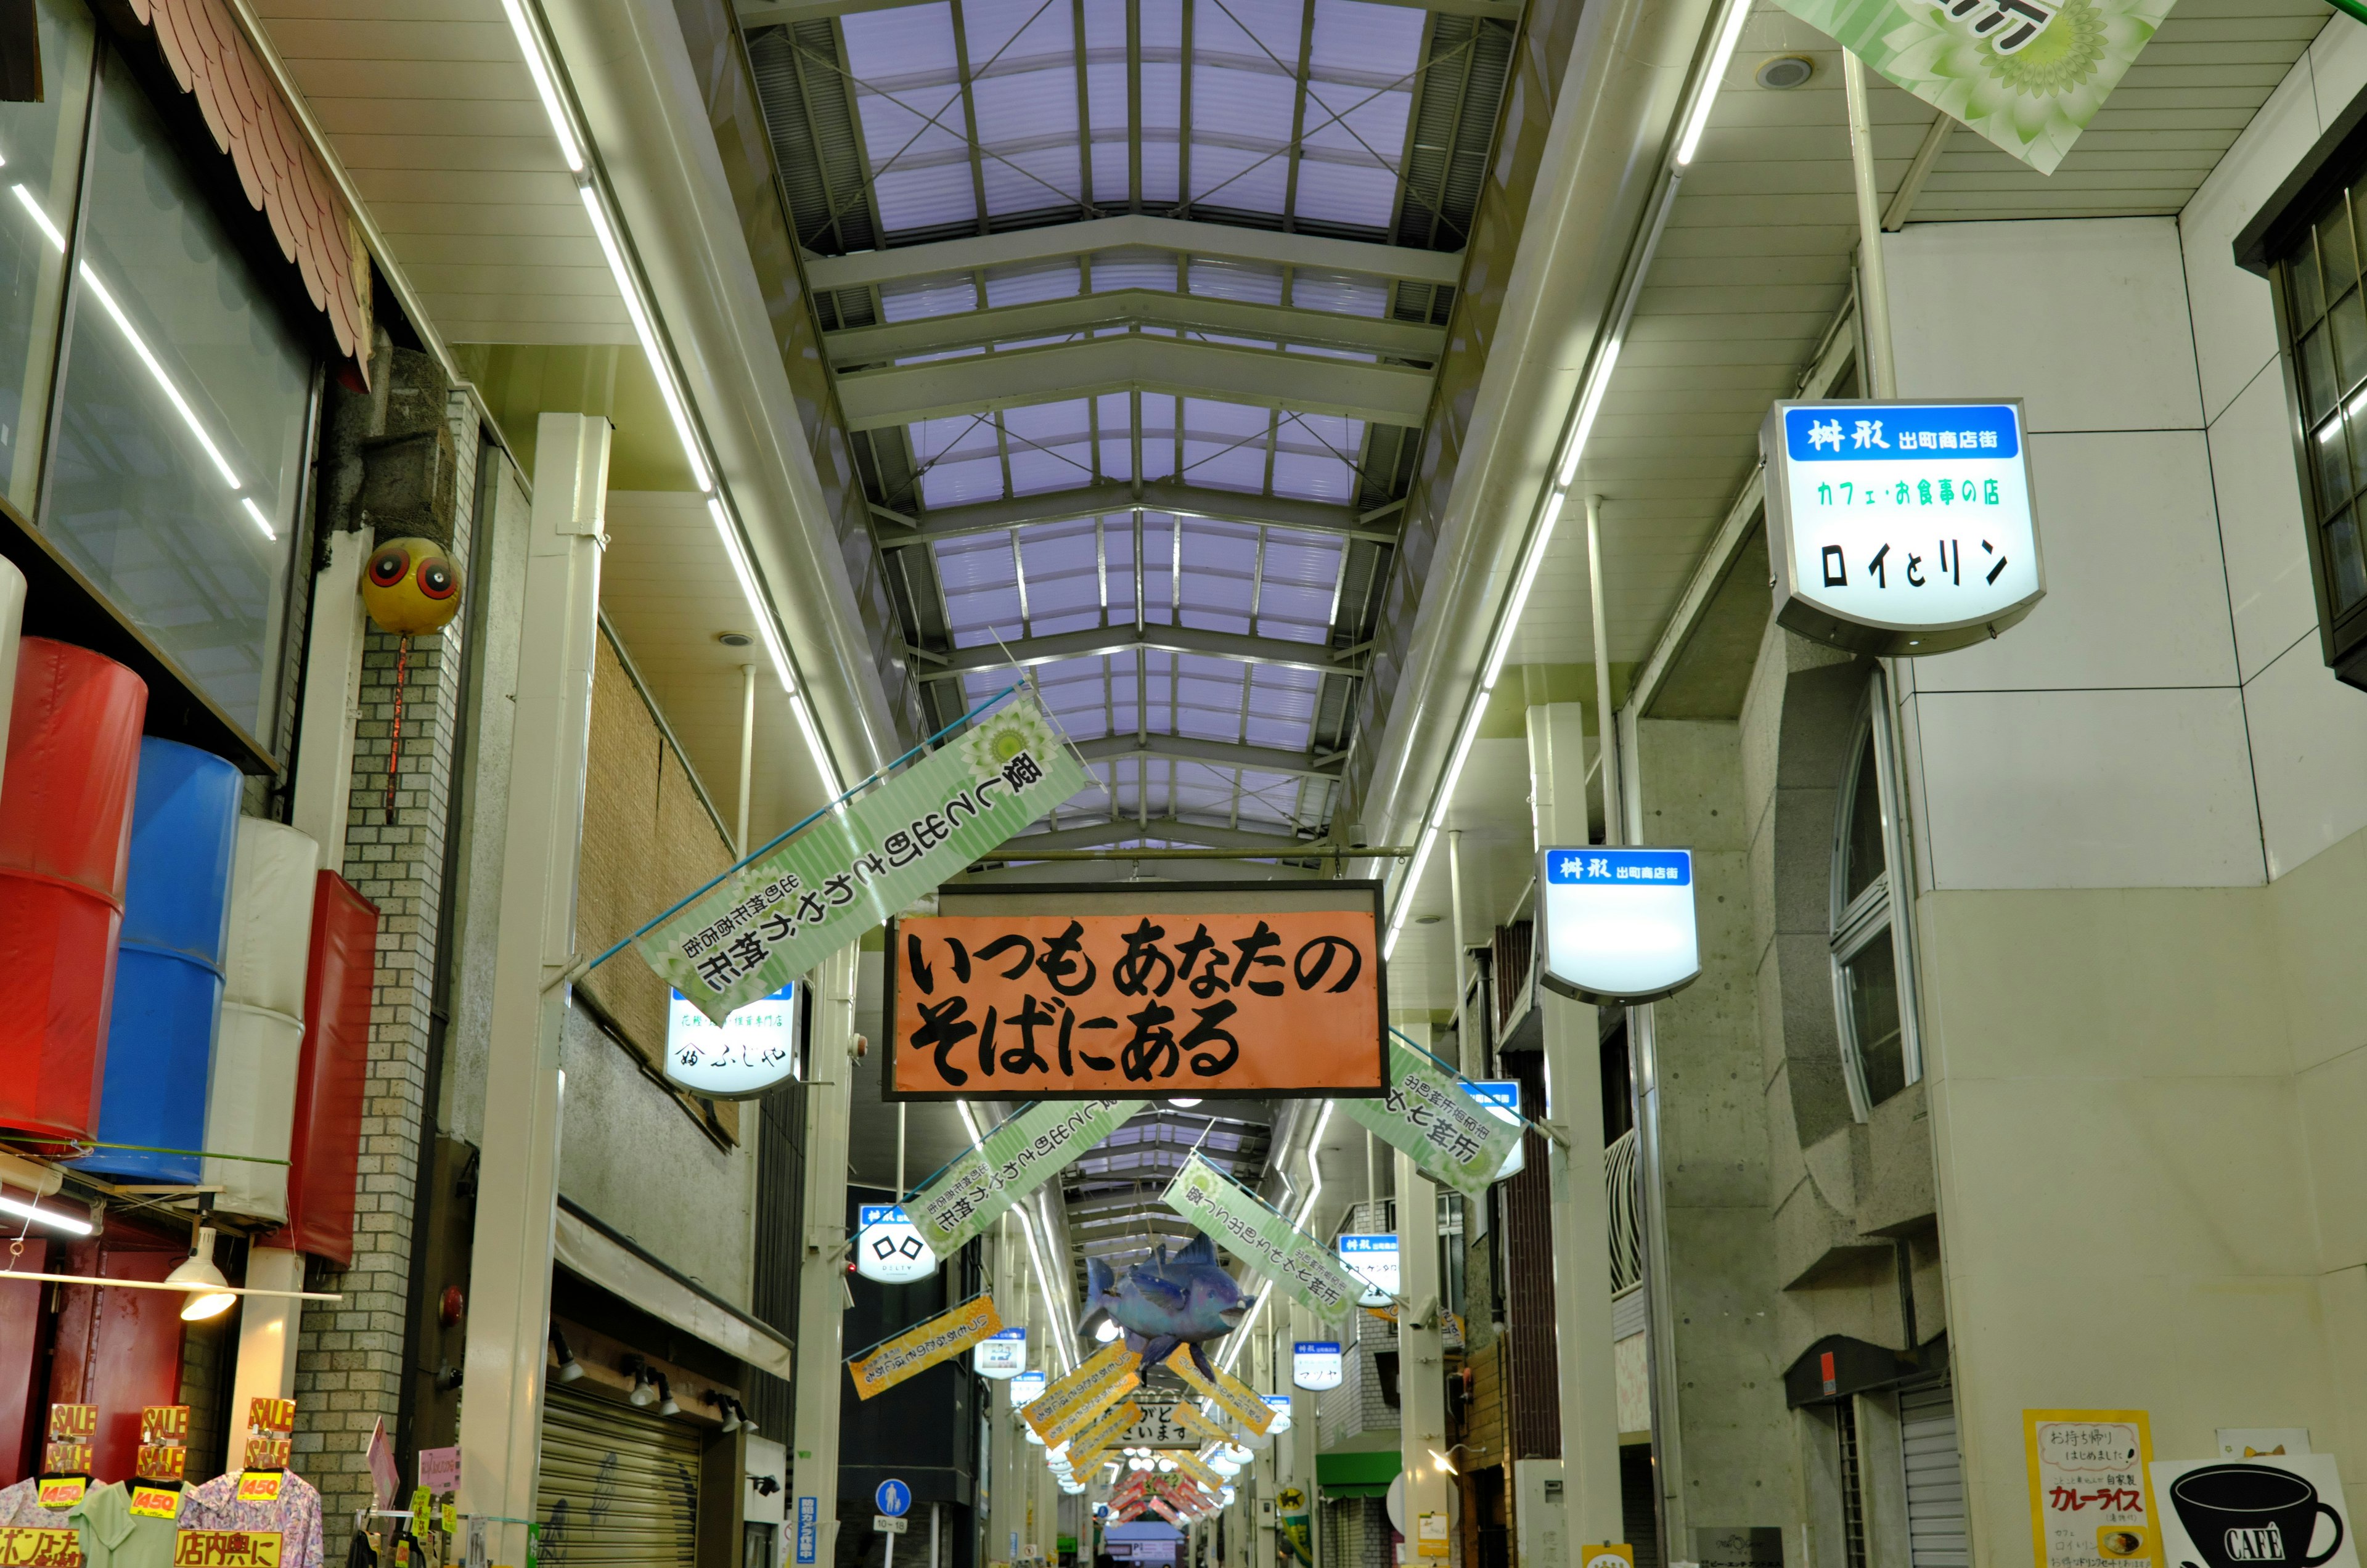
x: 570, y: 1368
x: 661, y: 366
x: 545, y: 86
x: 666, y: 1406
x: 1729, y: 33
x: 50, y: 1217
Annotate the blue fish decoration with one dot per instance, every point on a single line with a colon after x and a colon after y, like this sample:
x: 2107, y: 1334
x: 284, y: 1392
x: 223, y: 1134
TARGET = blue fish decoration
x: 1163, y: 1301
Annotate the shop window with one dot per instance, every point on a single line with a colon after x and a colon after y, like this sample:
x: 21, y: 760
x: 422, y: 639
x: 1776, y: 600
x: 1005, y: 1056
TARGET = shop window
x: 183, y: 420
x: 2323, y: 315
x: 40, y: 166
x: 1872, y: 887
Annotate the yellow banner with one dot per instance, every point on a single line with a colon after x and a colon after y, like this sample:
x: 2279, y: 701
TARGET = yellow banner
x: 1081, y: 1468
x: 226, y: 1549
x: 1191, y: 1465
x: 1188, y: 1416
x: 920, y: 1348
x: 1116, y: 1419
x: 1063, y: 1409
x: 1232, y: 1395
x: 36, y: 1546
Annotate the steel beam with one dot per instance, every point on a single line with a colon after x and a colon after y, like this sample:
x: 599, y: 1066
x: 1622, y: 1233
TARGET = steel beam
x: 1096, y: 641
x: 1219, y: 753
x: 1169, y: 828
x: 774, y: 13
x: 1132, y: 307
x: 1221, y: 240
x: 1378, y: 394
x: 1159, y: 495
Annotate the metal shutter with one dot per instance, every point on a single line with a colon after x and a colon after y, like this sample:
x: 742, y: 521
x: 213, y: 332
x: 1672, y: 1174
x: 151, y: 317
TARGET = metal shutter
x: 1935, y: 1477
x: 618, y: 1486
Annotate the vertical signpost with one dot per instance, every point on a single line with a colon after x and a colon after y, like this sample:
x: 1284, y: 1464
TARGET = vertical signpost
x: 894, y: 1500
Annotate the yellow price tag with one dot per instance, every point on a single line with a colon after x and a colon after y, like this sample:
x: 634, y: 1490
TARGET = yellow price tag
x: 155, y: 1502
x: 62, y: 1493
x: 259, y: 1486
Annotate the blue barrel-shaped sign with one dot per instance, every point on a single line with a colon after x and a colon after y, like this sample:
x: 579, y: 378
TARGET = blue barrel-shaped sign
x: 168, y: 970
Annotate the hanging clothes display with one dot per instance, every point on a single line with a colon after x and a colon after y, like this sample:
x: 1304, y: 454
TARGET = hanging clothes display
x: 294, y: 1515
x: 168, y: 974
x: 259, y: 1048
x: 112, y: 1536
x: 65, y: 833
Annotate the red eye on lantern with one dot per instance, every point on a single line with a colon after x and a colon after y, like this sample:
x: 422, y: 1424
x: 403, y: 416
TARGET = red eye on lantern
x: 435, y: 578
x: 389, y: 565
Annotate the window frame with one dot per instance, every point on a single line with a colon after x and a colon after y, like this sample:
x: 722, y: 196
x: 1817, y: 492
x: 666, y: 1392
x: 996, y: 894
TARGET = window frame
x: 179, y: 707
x: 1886, y: 906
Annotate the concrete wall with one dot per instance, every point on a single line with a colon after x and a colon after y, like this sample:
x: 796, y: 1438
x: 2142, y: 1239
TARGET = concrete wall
x: 2139, y: 829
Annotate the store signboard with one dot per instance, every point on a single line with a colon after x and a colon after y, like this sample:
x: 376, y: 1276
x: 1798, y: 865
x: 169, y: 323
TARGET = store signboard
x: 1900, y: 528
x: 1003, y: 1355
x: 1617, y: 925
x: 2269, y: 1511
x: 1025, y: 992
x: 748, y: 1052
x: 888, y: 1247
x: 1025, y: 1388
x: 1502, y: 1099
x: 1373, y: 1259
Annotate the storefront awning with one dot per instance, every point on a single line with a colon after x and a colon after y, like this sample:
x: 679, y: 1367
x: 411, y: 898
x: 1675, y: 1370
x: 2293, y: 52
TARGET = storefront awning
x: 1365, y: 1475
x: 586, y: 1247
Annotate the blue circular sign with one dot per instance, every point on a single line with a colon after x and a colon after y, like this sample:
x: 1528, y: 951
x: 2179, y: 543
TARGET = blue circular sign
x: 894, y: 1498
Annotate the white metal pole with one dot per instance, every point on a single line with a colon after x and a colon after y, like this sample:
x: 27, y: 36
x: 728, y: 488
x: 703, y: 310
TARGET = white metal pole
x: 747, y: 746
x: 1873, y: 298
x: 935, y: 1509
x: 509, y: 1320
x: 1580, y: 1216
x: 822, y: 1302
x: 1467, y: 1056
x: 1606, y: 721
x: 1421, y: 1378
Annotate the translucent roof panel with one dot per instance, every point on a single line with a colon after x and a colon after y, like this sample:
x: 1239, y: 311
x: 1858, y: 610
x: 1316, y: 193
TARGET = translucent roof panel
x: 913, y: 298
x: 908, y: 100
x: 1024, y: 89
x: 1049, y: 445
x: 960, y: 460
x: 1064, y: 577
x: 1362, y: 65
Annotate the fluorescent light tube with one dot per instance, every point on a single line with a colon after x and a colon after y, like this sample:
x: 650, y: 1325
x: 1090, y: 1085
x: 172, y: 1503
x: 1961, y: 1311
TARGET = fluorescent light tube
x: 545, y: 86
x: 1737, y: 13
x: 660, y: 365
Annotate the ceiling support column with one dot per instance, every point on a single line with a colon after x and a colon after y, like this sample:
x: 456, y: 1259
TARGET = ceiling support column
x: 821, y: 1284
x: 517, y: 1201
x: 1422, y: 1368
x: 1581, y: 1216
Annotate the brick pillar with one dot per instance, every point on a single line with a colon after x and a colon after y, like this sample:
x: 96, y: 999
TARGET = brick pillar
x: 349, y: 1354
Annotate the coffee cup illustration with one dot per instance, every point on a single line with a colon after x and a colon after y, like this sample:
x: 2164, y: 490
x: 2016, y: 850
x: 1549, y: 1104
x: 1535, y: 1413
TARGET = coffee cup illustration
x: 2252, y: 1515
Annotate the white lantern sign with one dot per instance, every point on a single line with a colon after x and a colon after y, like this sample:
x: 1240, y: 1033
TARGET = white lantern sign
x: 1900, y: 527
x: 1002, y: 1355
x: 1617, y: 925
x: 1374, y: 1259
x: 1280, y: 1404
x: 1025, y: 1389
x: 1315, y: 1364
x: 754, y: 1048
x: 888, y: 1247
x: 1502, y: 1099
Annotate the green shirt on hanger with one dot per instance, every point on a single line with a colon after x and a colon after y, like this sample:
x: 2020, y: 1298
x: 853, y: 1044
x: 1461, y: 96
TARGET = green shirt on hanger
x: 115, y: 1537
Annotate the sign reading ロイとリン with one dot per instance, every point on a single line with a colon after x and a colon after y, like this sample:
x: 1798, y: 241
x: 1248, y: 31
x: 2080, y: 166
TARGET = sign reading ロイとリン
x: 1900, y: 528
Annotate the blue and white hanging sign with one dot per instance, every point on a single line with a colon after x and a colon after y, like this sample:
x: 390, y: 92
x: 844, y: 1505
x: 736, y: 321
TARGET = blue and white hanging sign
x: 1502, y: 1099
x: 1617, y: 925
x: 1002, y: 1355
x: 888, y: 1247
x: 1280, y: 1404
x: 1025, y: 1389
x: 1315, y: 1364
x: 1900, y: 528
x: 1374, y: 1259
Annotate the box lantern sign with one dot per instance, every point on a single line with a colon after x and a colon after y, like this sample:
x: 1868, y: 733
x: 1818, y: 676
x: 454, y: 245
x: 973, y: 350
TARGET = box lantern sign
x: 1900, y: 528
x: 1315, y: 1364
x: 1218, y: 990
x: 1373, y: 1259
x: 1025, y: 1389
x: 1617, y: 925
x: 888, y: 1247
x: 1502, y: 1099
x: 753, y: 1049
x: 1002, y: 1355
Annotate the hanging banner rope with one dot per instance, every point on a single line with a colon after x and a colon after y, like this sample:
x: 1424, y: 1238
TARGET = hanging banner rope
x: 781, y: 913
x: 1438, y: 1124
x: 918, y: 1348
x: 1021, y: 1155
x: 1241, y: 1222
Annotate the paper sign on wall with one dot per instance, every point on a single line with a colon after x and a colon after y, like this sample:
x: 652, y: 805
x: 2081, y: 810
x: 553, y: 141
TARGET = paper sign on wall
x: 2091, y: 1505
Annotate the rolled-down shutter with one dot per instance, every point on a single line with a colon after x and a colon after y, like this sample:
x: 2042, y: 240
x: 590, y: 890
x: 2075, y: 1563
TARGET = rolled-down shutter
x: 1936, y: 1535
x: 620, y: 1487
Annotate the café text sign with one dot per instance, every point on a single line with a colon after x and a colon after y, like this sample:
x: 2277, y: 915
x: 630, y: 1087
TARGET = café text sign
x: 1900, y: 528
x: 1617, y: 925
x: 1068, y: 996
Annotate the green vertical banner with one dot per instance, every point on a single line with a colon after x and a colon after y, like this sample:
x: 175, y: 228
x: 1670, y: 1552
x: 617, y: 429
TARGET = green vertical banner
x: 2026, y: 74
x: 1427, y: 1114
x: 1241, y: 1222
x: 1011, y: 1161
x: 784, y: 912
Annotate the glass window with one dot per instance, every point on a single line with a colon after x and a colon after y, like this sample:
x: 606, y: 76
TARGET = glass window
x: 1873, y: 976
x: 184, y: 413
x: 40, y: 165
